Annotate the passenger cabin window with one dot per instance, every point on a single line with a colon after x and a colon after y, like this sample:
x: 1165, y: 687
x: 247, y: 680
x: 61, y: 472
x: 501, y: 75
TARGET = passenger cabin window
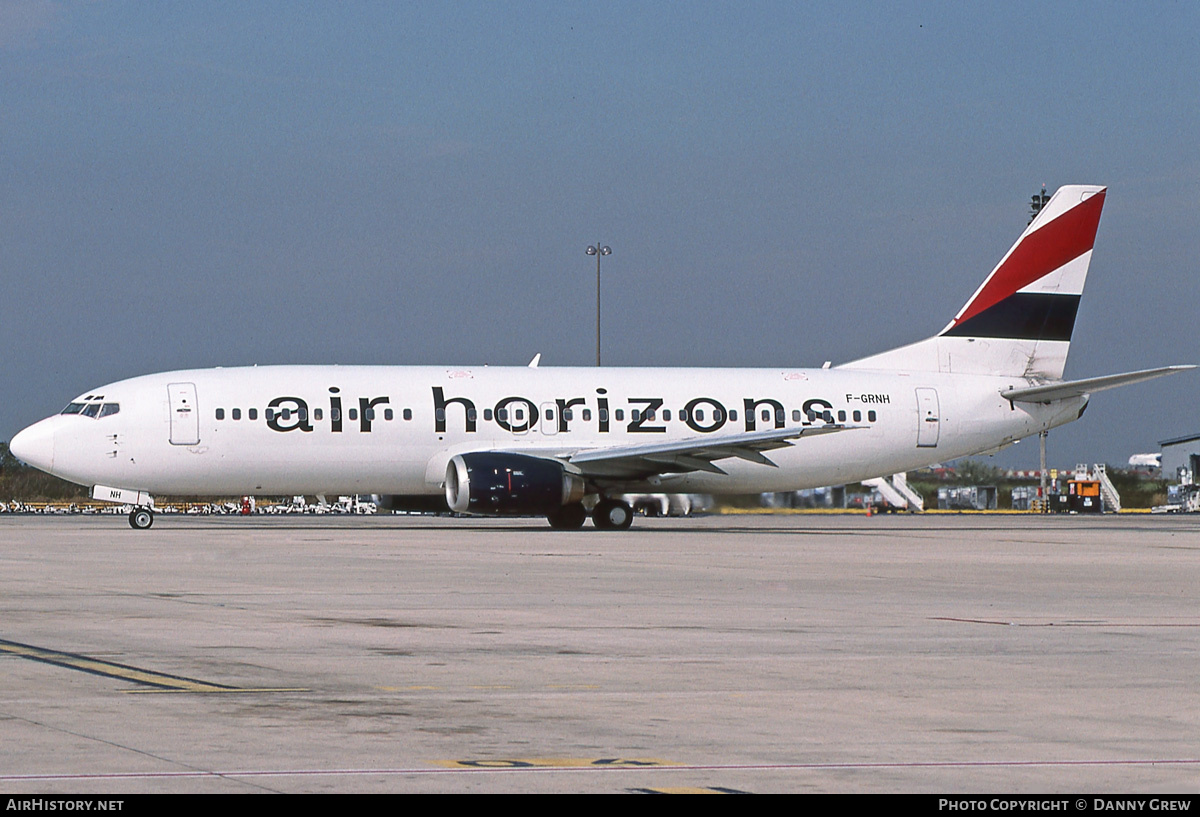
x: 352, y: 414
x: 871, y: 416
x: 408, y: 414
x: 387, y: 414
x: 269, y: 414
x: 252, y: 414
x: 220, y: 414
x: 857, y: 416
x: 317, y: 414
x: 237, y: 414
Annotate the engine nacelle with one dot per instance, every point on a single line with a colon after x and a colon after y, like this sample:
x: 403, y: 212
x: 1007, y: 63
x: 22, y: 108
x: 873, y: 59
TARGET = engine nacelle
x: 498, y: 484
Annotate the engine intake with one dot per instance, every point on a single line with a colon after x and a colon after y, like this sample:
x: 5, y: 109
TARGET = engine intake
x: 495, y: 484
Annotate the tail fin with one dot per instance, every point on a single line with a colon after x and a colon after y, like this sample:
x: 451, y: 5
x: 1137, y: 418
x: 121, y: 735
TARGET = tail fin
x: 1019, y: 321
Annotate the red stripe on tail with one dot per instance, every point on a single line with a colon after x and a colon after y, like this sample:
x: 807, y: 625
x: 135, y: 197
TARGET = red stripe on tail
x: 1040, y: 253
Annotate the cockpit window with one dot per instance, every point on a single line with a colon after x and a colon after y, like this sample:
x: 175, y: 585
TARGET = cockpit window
x: 93, y: 410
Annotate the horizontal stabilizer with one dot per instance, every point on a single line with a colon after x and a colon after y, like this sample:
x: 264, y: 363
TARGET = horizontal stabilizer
x: 1078, y: 388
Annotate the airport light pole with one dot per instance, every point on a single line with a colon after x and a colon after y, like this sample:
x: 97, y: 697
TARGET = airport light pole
x: 1042, y: 484
x: 598, y: 250
x: 1037, y: 202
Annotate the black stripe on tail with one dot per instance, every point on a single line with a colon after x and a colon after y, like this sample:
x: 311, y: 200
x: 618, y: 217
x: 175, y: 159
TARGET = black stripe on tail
x: 1023, y: 316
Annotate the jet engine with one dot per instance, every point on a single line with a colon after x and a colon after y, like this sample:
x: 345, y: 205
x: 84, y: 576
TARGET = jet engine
x: 497, y: 484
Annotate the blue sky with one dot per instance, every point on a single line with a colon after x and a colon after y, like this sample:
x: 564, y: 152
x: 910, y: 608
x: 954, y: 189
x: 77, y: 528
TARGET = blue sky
x: 201, y: 184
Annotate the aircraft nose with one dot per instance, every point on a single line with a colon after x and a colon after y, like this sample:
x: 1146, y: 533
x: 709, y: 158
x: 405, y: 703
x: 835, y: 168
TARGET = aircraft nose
x: 35, y: 445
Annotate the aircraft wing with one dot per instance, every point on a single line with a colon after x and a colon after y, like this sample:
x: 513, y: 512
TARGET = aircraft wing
x: 697, y: 454
x: 1078, y: 388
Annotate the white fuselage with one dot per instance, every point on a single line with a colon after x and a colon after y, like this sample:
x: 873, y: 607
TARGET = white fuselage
x: 392, y: 430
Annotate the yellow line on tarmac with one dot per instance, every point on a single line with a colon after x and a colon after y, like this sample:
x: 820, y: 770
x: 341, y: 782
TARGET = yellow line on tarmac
x: 554, y: 763
x: 215, y: 688
x: 687, y: 790
x: 158, y: 681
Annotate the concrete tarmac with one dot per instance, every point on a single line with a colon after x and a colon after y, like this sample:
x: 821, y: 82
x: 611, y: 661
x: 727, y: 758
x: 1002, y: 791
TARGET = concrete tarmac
x: 752, y: 653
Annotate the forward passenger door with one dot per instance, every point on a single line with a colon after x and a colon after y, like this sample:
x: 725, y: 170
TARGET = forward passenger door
x: 185, y: 414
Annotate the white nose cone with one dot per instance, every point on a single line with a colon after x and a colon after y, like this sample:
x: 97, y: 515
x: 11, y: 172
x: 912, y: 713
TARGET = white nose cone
x: 35, y: 445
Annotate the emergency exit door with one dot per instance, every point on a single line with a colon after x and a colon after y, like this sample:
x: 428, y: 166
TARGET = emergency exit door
x: 929, y: 419
x: 185, y: 415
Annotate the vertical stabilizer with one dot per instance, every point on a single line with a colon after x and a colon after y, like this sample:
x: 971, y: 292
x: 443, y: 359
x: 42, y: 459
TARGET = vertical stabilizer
x: 1020, y: 319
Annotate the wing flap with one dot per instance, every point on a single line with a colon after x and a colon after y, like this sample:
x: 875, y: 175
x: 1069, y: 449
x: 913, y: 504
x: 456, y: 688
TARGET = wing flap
x: 682, y: 462
x: 695, y: 454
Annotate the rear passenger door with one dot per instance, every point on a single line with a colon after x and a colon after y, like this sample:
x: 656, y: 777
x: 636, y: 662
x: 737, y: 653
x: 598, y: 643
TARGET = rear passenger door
x: 928, y: 418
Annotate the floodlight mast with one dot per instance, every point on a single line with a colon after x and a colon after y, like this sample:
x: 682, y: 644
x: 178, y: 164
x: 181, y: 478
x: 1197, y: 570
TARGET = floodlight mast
x: 598, y: 250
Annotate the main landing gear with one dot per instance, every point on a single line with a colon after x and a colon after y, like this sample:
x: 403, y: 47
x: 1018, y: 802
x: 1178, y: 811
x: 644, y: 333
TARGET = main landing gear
x: 568, y: 517
x: 609, y: 514
x: 612, y: 514
x: 141, y: 518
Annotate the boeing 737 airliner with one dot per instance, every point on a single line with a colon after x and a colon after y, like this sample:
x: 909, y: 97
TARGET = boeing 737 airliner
x: 566, y: 443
